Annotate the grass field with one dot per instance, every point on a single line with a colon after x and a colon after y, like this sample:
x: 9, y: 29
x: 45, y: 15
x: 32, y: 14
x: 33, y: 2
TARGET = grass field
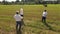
x: 32, y: 19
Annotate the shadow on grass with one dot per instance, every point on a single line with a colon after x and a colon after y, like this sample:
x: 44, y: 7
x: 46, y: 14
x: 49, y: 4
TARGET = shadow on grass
x: 47, y: 25
x: 34, y: 26
x: 50, y: 28
x: 18, y: 32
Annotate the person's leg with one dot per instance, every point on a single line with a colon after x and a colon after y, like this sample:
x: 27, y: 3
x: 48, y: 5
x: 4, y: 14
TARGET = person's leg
x: 19, y: 24
x: 17, y: 27
x: 20, y: 32
x: 44, y: 19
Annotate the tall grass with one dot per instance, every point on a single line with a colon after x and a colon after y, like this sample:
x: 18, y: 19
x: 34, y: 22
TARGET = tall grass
x: 32, y: 19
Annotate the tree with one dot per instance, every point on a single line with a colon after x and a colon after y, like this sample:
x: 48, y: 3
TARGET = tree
x: 38, y: 1
x: 0, y: 1
x: 3, y: 1
x: 17, y: 0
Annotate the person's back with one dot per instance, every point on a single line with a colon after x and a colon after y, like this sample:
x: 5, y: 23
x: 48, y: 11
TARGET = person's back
x: 17, y: 17
x: 44, y: 14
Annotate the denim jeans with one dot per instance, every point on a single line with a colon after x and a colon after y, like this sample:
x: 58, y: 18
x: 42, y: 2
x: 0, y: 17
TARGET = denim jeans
x: 44, y: 19
x: 18, y: 26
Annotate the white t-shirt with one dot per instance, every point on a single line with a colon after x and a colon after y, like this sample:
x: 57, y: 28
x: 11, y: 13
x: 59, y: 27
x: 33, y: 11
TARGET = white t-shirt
x: 44, y: 14
x: 21, y: 11
x: 18, y: 17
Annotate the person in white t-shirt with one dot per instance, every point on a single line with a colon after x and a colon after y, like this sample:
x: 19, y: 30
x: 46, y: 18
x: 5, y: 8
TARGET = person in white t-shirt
x: 44, y: 16
x: 18, y: 19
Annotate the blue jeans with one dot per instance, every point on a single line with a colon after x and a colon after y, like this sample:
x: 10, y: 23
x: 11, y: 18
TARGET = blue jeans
x: 18, y: 26
x: 44, y: 19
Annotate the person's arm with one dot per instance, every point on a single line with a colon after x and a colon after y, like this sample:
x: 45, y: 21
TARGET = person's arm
x: 21, y: 18
x: 46, y: 13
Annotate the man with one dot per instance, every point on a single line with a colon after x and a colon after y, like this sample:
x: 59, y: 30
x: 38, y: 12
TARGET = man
x: 44, y: 20
x: 44, y: 16
x: 18, y: 19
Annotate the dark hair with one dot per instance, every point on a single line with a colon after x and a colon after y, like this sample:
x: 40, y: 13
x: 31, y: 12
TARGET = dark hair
x: 17, y: 13
x: 44, y: 10
x: 22, y: 15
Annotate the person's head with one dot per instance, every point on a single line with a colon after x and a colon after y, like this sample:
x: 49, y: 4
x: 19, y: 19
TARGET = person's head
x: 17, y: 12
x: 21, y: 9
x: 44, y: 10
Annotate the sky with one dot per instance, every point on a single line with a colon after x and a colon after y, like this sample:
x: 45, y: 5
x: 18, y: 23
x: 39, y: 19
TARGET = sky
x: 9, y: 0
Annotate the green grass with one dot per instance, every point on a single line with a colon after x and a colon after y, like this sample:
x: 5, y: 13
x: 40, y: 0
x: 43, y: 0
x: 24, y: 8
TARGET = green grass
x: 32, y: 19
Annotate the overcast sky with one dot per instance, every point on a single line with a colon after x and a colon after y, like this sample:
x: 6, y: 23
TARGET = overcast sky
x: 9, y: 0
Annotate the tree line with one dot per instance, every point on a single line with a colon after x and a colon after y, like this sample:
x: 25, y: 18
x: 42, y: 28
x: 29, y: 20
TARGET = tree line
x: 22, y: 2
